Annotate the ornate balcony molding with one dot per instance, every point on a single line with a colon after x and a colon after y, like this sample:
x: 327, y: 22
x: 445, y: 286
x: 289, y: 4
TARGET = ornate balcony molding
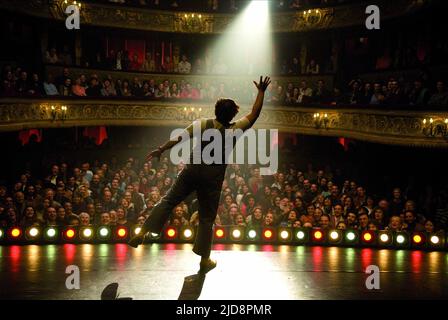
x: 184, y: 22
x: 386, y: 127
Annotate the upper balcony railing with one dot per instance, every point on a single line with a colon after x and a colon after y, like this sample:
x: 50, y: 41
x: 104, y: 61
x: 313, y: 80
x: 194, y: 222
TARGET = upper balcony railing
x: 397, y: 127
x: 141, y: 18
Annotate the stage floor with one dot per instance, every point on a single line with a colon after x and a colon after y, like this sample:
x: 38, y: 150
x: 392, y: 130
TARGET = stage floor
x: 158, y: 271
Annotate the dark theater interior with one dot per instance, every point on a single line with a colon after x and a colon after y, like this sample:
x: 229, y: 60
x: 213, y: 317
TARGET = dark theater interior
x: 341, y: 190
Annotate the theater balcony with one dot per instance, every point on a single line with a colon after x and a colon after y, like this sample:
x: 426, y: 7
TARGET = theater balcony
x: 396, y: 127
x: 196, y: 19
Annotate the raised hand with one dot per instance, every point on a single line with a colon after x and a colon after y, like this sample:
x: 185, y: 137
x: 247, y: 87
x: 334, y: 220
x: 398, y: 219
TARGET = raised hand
x: 263, y: 84
x: 154, y: 154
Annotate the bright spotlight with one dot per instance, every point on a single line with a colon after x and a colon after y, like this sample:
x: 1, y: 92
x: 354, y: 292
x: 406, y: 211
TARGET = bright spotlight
x: 246, y: 46
x: 384, y: 237
x: 300, y: 235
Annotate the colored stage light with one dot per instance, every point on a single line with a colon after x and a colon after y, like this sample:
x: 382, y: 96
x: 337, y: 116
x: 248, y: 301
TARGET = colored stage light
x: 50, y: 234
x: 220, y: 233
x: 385, y: 238
x: 252, y: 234
x: 34, y: 232
x: 418, y: 239
x: 268, y: 234
x: 237, y: 233
x: 122, y: 232
x: 15, y: 233
x: 1, y: 234
x: 335, y: 236
x: 171, y: 233
x: 368, y: 237
x: 434, y: 240
x: 402, y: 239
x: 103, y: 232
x: 187, y: 233
x: 350, y: 236
x: 86, y: 233
x: 69, y: 233
x: 318, y: 235
x: 137, y: 230
x: 300, y: 235
x: 284, y: 234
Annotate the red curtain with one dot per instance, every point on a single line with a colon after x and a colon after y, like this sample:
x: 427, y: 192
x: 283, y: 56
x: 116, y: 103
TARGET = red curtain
x: 344, y: 142
x: 136, y: 47
x: 25, y: 135
x: 98, y: 134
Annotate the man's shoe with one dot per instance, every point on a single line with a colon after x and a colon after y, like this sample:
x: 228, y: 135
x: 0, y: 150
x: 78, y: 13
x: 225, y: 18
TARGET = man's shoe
x: 136, y: 240
x: 206, y: 266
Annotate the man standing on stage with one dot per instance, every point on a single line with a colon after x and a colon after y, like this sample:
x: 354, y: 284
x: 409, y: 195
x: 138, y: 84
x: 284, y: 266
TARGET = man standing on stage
x: 205, y: 179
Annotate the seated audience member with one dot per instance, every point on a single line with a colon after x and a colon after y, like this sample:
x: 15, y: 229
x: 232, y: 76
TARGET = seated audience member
x: 78, y: 89
x: 419, y: 95
x: 84, y: 219
x: 94, y: 88
x: 440, y: 98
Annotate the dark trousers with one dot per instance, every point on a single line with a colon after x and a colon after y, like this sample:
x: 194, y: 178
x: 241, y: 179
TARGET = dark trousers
x: 206, y: 180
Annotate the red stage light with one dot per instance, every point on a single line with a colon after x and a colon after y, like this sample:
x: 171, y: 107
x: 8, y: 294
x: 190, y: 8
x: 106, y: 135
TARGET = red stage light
x: 70, y: 233
x: 16, y: 232
x: 368, y: 236
x: 122, y: 232
x: 267, y: 234
x: 219, y: 233
x: 417, y: 239
x: 318, y: 235
x: 171, y: 232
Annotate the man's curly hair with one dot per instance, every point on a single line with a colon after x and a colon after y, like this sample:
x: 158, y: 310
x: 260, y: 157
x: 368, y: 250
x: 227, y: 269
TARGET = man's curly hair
x: 225, y: 110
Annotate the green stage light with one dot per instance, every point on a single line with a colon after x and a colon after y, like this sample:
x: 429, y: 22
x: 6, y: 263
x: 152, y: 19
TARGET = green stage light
x: 301, y: 235
x: 351, y: 237
x: 402, y: 239
x: 252, y: 234
x: 103, y: 233
x: 50, y: 234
